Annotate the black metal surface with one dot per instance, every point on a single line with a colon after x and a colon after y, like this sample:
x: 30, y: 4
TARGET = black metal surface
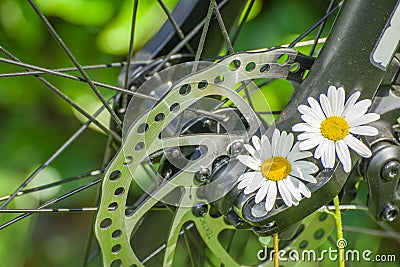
x: 382, y: 170
x: 383, y: 173
x: 188, y: 14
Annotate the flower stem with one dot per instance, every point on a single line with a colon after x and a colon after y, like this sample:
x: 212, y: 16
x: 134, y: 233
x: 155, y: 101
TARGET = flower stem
x: 276, y: 250
x: 339, y: 229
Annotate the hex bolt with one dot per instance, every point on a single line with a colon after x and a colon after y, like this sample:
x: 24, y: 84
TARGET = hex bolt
x: 175, y: 153
x: 391, y: 170
x: 396, y: 90
x: 200, y: 209
x: 235, y: 148
x: 202, y: 175
x: 390, y: 213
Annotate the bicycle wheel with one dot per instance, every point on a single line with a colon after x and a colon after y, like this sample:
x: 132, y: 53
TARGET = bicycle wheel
x: 221, y: 241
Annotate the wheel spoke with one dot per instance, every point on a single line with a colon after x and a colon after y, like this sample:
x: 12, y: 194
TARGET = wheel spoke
x: 87, y: 67
x: 313, y: 27
x: 29, y: 67
x: 229, y: 45
x: 131, y: 40
x: 74, y: 60
x: 189, y: 250
x: 202, y: 41
x: 188, y: 37
x: 64, y: 97
x: 91, y: 174
x: 52, y: 201
x: 178, y: 30
x: 66, y: 210
x: 321, y: 28
x: 222, y: 27
x: 163, y: 246
x: 241, y: 24
x: 52, y: 157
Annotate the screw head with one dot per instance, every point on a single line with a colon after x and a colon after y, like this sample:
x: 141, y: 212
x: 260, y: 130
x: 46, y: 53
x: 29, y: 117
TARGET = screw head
x: 235, y: 148
x: 200, y: 209
x: 391, y: 170
x: 175, y: 153
x: 390, y: 213
x: 202, y: 175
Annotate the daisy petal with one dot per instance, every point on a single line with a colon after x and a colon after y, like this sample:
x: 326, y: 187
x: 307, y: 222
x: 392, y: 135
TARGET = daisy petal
x: 308, y: 144
x: 256, y: 142
x: 362, y: 106
x: 275, y: 141
x: 296, y: 173
x: 350, y: 102
x: 295, y: 202
x: 258, y: 181
x: 266, y: 150
x: 288, y: 145
x: 311, y: 120
x: 364, y: 130
x: 246, y: 175
x: 285, y: 194
x: 330, y: 154
x: 332, y: 98
x: 281, y: 145
x: 305, y: 127
x: 271, y: 195
x: 296, y: 154
x: 306, y: 110
x: 359, y: 109
x: 250, y: 162
x: 292, y: 189
x: 326, y: 105
x: 245, y: 183
x: 343, y: 154
x: 358, y: 146
x: 314, y: 136
x: 303, y: 109
x: 262, y: 192
x: 306, y: 166
x: 320, y: 150
x: 364, y: 119
x: 252, y: 151
x: 316, y: 107
x: 303, y: 188
x: 340, y: 101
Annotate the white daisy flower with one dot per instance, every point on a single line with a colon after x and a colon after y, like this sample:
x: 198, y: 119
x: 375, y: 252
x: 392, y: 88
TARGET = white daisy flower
x: 330, y: 125
x: 277, y: 166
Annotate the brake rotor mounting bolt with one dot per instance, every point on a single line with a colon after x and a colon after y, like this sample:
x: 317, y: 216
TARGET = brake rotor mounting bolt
x: 391, y: 170
x: 390, y: 213
x: 202, y: 175
x: 175, y: 153
x: 235, y: 148
x: 200, y: 209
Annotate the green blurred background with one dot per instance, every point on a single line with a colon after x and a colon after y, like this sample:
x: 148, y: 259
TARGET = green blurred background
x: 35, y: 122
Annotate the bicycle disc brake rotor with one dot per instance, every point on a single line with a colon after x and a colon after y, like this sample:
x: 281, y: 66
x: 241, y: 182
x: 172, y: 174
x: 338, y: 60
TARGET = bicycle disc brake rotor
x: 200, y: 118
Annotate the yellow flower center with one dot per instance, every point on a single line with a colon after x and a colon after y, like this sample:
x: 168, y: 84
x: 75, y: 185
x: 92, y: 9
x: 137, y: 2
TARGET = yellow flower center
x: 334, y: 128
x: 275, y: 168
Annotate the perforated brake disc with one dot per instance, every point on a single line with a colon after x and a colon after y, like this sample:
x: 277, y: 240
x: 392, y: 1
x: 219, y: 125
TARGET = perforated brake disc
x: 214, y: 95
